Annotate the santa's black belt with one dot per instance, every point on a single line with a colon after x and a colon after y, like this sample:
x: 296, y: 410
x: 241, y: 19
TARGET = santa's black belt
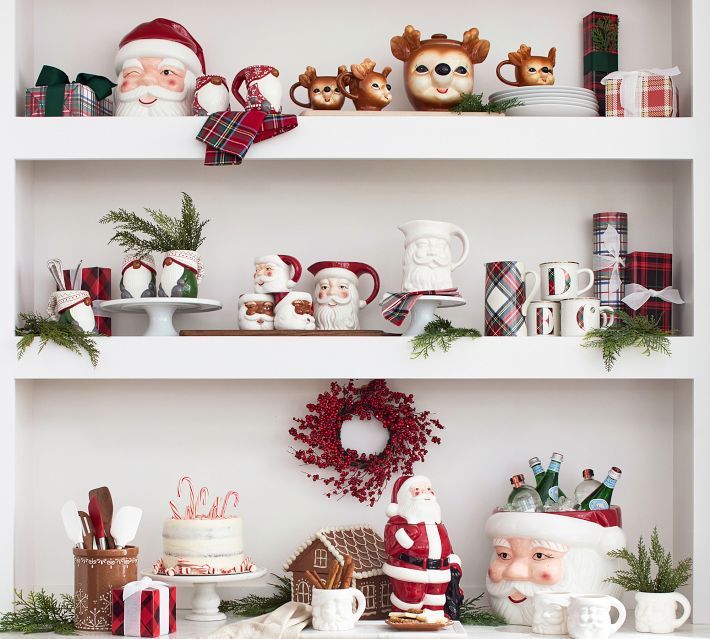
x: 431, y: 564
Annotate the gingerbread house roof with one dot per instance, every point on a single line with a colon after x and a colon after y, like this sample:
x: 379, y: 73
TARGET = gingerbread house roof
x: 361, y: 542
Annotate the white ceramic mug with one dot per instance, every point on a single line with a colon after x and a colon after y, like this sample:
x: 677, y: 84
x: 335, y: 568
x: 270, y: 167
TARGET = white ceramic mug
x: 543, y: 319
x: 333, y: 609
x: 256, y: 312
x: 589, y: 616
x: 294, y: 312
x: 550, y: 613
x: 656, y: 611
x: 584, y: 314
x: 560, y: 280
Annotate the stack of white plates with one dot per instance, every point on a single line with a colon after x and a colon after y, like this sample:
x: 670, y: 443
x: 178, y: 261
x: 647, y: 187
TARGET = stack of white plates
x: 550, y: 101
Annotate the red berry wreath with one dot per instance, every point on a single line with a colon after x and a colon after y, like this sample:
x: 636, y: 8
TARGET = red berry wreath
x: 361, y: 475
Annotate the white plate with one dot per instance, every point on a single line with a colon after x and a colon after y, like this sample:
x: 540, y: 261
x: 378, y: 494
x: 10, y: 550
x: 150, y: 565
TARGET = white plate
x: 552, y: 110
x: 553, y: 101
x: 541, y: 94
x: 553, y: 89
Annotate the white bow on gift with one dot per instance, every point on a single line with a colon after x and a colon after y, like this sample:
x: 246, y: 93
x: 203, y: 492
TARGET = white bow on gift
x: 637, y: 295
x: 611, y: 241
x: 133, y: 587
x: 629, y: 94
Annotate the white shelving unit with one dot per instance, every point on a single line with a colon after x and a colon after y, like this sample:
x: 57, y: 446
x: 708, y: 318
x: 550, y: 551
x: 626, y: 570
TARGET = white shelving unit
x: 220, y: 408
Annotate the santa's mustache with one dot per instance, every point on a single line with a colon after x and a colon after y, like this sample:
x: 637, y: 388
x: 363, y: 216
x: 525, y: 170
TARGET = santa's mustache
x: 155, y: 91
x: 507, y: 588
x: 338, y: 300
x: 257, y: 317
x: 428, y: 260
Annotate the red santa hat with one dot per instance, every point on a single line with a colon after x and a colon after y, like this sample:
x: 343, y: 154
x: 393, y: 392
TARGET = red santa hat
x: 596, y: 529
x: 400, y: 488
x: 350, y: 271
x: 257, y: 72
x: 162, y: 37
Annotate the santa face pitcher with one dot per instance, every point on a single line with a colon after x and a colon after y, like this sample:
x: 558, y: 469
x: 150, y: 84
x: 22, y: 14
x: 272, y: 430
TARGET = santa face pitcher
x: 422, y: 567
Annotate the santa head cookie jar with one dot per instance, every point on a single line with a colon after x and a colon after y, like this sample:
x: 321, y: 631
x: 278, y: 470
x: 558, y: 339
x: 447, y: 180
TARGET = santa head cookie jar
x: 276, y: 273
x: 424, y: 571
x: 294, y: 312
x: 337, y: 299
x: 157, y: 64
x: 555, y: 551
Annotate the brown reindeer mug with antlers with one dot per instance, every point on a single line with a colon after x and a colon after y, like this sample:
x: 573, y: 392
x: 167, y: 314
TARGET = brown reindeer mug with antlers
x: 323, y: 91
x: 530, y: 70
x: 367, y: 88
x: 437, y: 71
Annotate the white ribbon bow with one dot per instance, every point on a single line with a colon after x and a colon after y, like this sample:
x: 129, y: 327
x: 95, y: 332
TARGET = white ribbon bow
x: 611, y: 241
x: 638, y: 295
x: 133, y: 587
x: 630, y: 96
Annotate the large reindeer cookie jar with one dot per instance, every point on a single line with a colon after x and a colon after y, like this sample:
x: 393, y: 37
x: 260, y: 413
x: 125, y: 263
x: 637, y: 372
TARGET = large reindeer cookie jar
x: 367, y: 88
x: 437, y: 71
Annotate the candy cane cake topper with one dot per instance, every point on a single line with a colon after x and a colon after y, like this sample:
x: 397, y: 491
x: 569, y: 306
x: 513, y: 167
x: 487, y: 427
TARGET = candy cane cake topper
x: 191, y: 510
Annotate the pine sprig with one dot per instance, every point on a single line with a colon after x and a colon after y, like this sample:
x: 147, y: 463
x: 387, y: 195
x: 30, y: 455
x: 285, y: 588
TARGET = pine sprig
x: 639, y: 332
x: 605, y: 35
x: 474, y: 614
x: 639, y: 575
x: 40, y: 612
x: 255, y: 605
x: 60, y: 333
x: 473, y: 103
x: 161, y: 233
x: 439, y: 333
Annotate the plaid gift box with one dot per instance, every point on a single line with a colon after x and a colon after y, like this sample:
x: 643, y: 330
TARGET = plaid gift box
x: 79, y: 101
x: 610, y: 231
x: 96, y: 280
x: 601, y: 51
x: 650, y: 95
x: 148, y: 612
x: 652, y: 271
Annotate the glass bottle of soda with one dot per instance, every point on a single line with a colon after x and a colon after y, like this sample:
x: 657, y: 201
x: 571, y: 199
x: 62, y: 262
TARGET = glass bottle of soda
x: 537, y: 469
x: 548, y: 488
x: 523, y: 498
x: 600, y: 499
x: 586, y: 487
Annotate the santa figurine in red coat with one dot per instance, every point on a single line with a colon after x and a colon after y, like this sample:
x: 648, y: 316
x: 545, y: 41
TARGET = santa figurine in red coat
x: 422, y: 567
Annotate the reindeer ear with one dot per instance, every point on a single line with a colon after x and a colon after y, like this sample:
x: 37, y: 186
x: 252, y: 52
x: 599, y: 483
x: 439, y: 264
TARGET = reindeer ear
x: 358, y: 70
x: 386, y: 71
x: 553, y: 56
x: 516, y: 58
x: 400, y: 49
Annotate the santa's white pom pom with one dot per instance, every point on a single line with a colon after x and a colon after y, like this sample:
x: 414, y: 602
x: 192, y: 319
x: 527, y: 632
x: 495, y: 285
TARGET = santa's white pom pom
x: 392, y: 510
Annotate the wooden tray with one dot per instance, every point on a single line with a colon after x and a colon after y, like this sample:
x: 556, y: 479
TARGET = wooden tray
x: 386, y: 113
x: 231, y: 333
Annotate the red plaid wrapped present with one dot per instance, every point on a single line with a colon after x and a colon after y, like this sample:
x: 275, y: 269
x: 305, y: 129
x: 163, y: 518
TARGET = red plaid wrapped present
x: 645, y: 94
x: 651, y: 276
x: 97, y: 281
x: 144, y: 608
x: 601, y: 51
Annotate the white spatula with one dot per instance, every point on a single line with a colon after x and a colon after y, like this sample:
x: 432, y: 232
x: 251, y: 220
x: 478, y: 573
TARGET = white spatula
x: 125, y: 525
x: 72, y: 523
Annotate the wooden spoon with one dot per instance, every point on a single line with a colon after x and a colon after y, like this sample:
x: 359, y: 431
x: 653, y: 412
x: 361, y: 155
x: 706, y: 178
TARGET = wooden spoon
x: 105, y: 501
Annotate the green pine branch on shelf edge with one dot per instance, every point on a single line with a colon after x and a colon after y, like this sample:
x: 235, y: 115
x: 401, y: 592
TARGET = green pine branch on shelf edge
x: 439, y: 333
x: 628, y: 332
x: 639, y: 576
x: 474, y: 614
x: 255, y: 605
x: 473, y: 103
x: 61, y: 333
x: 159, y: 234
x: 40, y: 612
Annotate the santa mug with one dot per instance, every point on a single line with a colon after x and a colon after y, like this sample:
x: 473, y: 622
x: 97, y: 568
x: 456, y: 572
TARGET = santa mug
x: 560, y: 280
x: 182, y: 272
x: 256, y: 312
x: 264, y: 90
x: 589, y: 616
x: 276, y: 273
x: 72, y: 307
x: 543, y: 319
x: 337, y: 299
x: 550, y: 613
x: 656, y: 611
x: 138, y: 277
x: 334, y: 610
x: 294, y: 312
x: 584, y: 314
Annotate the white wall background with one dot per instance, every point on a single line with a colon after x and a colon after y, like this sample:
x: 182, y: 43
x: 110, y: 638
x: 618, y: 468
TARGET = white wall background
x: 139, y: 438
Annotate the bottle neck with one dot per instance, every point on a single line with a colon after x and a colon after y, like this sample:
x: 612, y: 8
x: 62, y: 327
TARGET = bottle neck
x: 610, y: 482
x: 538, y: 469
x: 554, y: 466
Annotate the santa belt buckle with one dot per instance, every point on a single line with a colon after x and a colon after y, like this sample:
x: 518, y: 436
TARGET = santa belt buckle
x: 431, y: 564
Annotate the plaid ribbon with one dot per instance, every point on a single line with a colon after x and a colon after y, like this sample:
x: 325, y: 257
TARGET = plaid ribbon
x: 230, y: 134
x: 396, y: 306
x: 505, y: 282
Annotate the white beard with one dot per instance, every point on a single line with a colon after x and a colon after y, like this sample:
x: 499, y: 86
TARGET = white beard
x: 169, y: 103
x: 170, y: 276
x: 136, y: 280
x: 213, y: 98
x: 272, y: 90
x: 426, y: 274
x: 420, y: 511
x: 288, y: 319
x: 339, y: 317
x: 251, y: 323
x: 83, y: 315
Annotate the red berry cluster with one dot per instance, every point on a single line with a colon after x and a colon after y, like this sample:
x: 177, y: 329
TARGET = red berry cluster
x: 360, y: 475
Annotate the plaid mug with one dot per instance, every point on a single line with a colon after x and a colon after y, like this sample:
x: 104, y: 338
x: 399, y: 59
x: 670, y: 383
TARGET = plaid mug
x: 506, y: 300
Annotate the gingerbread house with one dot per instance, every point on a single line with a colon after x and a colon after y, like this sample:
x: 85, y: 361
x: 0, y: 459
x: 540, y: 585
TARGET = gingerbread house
x: 327, y: 545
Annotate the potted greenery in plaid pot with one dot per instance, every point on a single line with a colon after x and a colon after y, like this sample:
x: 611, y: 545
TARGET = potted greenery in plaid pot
x: 177, y: 237
x: 656, y: 597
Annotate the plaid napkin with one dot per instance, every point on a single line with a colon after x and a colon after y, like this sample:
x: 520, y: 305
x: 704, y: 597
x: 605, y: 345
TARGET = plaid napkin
x: 396, y: 306
x: 230, y: 134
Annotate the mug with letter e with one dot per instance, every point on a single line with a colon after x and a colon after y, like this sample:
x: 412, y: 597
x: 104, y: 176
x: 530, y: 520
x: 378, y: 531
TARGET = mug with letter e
x: 560, y: 280
x: 507, y: 298
x: 543, y: 319
x: 581, y: 315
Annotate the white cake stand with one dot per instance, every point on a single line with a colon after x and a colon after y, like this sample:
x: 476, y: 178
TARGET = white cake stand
x: 205, y: 600
x: 425, y: 309
x: 160, y: 311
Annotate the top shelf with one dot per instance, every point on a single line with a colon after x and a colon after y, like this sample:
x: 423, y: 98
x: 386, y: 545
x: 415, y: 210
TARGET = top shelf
x: 387, y: 137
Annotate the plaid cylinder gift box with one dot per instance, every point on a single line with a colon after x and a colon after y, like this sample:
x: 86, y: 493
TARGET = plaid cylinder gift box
x: 601, y: 51
x: 144, y: 608
x: 96, y: 280
x: 610, y: 231
x: 650, y: 93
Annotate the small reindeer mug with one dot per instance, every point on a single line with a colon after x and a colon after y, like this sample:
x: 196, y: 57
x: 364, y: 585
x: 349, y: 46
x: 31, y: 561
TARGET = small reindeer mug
x: 323, y: 91
x: 530, y: 70
x: 367, y: 88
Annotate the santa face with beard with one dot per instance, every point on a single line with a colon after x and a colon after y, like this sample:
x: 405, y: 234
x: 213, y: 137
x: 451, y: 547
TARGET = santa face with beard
x: 427, y: 265
x: 295, y: 312
x: 337, y: 304
x: 256, y: 313
x: 154, y: 86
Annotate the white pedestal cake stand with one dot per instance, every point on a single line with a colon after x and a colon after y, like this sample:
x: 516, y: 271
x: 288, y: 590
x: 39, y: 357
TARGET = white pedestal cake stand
x: 205, y: 600
x: 425, y: 309
x: 160, y: 311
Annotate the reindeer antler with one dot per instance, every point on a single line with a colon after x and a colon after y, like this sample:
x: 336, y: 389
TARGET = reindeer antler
x: 525, y: 51
x: 307, y: 78
x: 477, y: 49
x: 362, y: 69
x: 342, y: 69
x: 403, y: 46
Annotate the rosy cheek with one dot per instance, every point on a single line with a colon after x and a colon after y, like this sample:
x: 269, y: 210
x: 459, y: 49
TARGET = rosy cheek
x: 322, y: 295
x: 343, y: 294
x: 495, y: 572
x: 171, y: 83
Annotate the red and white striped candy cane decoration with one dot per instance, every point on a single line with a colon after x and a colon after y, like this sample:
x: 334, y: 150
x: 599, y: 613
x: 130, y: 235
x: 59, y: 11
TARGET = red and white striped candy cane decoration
x: 231, y: 493
x: 202, y: 497
x: 176, y: 512
x: 191, y: 507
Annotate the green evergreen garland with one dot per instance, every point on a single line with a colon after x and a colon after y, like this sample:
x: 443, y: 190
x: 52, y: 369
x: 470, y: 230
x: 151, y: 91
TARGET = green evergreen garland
x: 256, y: 605
x: 473, y: 103
x: 439, y: 333
x: 40, y: 612
x: 61, y: 333
x: 605, y: 35
x: 473, y: 614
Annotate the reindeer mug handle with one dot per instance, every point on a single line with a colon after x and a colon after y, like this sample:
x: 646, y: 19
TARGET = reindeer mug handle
x: 292, y: 91
x: 502, y: 79
x: 342, y: 80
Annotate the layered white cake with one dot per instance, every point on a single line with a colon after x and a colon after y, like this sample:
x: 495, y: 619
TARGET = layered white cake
x: 216, y: 543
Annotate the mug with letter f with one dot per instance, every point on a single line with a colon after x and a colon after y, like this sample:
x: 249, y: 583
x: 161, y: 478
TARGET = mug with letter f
x: 507, y: 299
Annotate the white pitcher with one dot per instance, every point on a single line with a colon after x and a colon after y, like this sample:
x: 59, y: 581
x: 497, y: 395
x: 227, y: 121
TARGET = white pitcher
x: 427, y: 261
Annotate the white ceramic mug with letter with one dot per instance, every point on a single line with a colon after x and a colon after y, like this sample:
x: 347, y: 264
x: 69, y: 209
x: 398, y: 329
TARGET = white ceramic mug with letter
x: 584, y: 314
x: 543, y: 319
x: 656, y: 611
x: 589, y: 616
x: 550, y: 613
x: 560, y: 280
x: 333, y: 609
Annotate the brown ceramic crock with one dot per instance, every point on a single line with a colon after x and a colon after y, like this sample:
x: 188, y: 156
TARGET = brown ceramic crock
x: 96, y: 572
